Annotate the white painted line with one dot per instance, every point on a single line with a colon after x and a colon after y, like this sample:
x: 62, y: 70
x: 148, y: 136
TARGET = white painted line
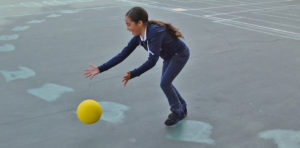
x: 262, y: 29
x: 241, y: 2
x: 199, y: 1
x: 278, y: 10
x: 148, y: 5
x: 270, y: 22
x: 269, y: 28
x: 285, y: 14
x: 268, y: 33
x: 215, y: 18
x: 170, y: 6
x: 45, y: 3
x: 209, y: 3
x: 287, y: 18
x: 252, y: 10
x: 221, y: 20
x: 57, y: 11
x: 228, y: 6
x: 246, y: 26
x: 220, y: 2
x: 194, y: 15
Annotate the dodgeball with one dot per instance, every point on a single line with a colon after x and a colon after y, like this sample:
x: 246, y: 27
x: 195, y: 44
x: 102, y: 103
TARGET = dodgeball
x: 89, y: 111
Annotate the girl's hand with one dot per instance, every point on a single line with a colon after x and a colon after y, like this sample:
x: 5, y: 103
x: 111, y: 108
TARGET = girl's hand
x: 91, y: 72
x: 126, y: 78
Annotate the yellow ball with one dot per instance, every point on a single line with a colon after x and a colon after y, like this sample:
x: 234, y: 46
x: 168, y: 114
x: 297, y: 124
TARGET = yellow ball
x: 89, y: 111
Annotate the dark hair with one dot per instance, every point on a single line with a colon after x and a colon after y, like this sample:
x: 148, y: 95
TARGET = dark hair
x: 137, y: 14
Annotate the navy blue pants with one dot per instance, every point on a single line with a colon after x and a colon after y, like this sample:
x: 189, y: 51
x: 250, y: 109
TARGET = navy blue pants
x: 171, y: 69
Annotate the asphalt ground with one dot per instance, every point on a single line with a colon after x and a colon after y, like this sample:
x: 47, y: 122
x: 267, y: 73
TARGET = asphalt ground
x: 241, y: 82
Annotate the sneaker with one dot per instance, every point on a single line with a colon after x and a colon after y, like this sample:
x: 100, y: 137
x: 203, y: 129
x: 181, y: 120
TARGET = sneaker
x: 173, y: 118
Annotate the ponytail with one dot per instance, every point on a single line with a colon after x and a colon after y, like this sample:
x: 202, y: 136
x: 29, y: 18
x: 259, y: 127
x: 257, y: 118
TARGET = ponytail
x: 169, y: 28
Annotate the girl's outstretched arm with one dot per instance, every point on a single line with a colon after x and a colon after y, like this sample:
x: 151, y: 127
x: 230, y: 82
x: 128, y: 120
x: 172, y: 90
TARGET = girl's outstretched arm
x: 133, y: 43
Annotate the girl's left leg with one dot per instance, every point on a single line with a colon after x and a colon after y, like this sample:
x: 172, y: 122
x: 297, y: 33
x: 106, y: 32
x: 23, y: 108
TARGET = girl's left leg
x: 171, y: 69
x: 168, y: 89
x: 182, y: 101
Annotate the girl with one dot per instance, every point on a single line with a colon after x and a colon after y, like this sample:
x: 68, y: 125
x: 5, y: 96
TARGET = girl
x: 160, y: 40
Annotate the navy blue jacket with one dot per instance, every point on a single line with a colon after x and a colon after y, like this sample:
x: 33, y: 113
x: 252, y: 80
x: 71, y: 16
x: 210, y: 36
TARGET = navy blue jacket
x: 159, y: 43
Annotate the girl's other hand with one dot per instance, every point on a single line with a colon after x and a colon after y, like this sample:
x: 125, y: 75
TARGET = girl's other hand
x: 126, y: 78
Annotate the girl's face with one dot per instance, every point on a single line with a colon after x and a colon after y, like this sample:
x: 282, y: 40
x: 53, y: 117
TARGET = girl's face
x: 135, y: 28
